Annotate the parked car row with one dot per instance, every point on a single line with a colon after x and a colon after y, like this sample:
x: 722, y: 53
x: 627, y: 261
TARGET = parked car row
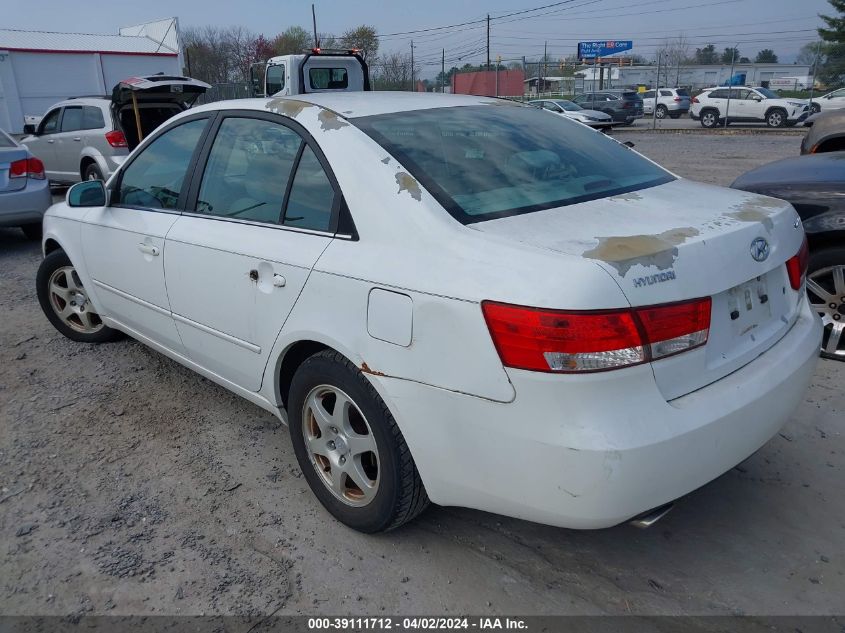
x: 741, y: 104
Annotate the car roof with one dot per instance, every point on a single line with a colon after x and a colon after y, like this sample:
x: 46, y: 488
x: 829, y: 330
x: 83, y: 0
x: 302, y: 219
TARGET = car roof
x: 352, y: 105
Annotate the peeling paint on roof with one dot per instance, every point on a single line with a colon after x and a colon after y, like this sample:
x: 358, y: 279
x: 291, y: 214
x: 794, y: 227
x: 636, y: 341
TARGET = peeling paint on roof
x: 330, y: 121
x: 625, y: 252
x: 632, y: 196
x: 288, y: 107
x: 386, y: 160
x: 408, y: 183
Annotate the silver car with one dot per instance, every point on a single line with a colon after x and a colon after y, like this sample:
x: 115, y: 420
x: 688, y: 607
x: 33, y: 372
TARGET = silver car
x: 571, y: 110
x: 672, y: 102
x: 88, y: 138
x: 24, y: 190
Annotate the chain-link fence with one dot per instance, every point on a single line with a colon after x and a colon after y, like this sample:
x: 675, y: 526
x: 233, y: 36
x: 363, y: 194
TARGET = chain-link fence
x: 222, y: 92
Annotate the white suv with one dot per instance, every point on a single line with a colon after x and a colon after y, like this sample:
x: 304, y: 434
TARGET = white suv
x: 741, y: 104
x: 831, y: 101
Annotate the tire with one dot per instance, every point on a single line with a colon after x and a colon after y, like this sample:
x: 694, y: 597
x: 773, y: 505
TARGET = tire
x: 661, y: 111
x: 92, y: 172
x: 815, y: 108
x: 776, y: 118
x: 826, y: 273
x: 709, y: 119
x: 32, y: 231
x: 322, y: 441
x: 675, y: 115
x: 65, y: 303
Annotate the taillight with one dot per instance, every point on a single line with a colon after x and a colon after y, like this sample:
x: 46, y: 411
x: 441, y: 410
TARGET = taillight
x: 585, y: 341
x: 677, y: 99
x: 695, y: 100
x: 27, y: 168
x: 796, y: 266
x: 116, y: 138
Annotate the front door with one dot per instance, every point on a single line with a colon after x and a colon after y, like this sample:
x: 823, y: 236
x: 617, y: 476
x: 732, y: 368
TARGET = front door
x: 124, y: 243
x: 42, y: 145
x: 264, y: 208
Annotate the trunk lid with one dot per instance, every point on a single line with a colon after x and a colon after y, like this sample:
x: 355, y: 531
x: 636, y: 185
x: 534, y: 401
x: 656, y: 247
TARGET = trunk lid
x: 678, y: 241
x: 8, y: 155
x: 183, y: 91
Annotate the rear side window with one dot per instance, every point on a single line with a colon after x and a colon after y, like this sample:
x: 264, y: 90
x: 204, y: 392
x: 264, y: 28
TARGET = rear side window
x: 665, y: 93
x: 483, y: 162
x: 155, y: 177
x: 311, y: 195
x: 248, y: 169
x: 328, y: 78
x: 717, y: 94
x: 92, y: 118
x: 72, y: 119
x: 682, y: 92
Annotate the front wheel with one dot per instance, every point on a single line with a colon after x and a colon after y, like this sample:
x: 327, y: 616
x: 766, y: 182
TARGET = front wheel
x: 349, y: 448
x: 661, y: 112
x: 776, y: 118
x: 815, y: 108
x: 65, y: 301
x: 826, y: 291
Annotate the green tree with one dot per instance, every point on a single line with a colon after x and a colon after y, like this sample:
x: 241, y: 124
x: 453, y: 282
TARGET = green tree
x: 364, y: 38
x: 731, y: 55
x: 833, y: 67
x: 706, y: 55
x: 292, y: 40
x: 766, y: 56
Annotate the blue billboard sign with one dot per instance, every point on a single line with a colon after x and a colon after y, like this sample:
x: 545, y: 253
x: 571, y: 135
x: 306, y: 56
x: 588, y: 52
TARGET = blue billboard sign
x: 591, y: 50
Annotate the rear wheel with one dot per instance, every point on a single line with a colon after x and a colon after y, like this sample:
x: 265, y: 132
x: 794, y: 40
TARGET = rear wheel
x: 32, y: 231
x: 661, y: 112
x: 776, y: 118
x: 349, y: 448
x: 826, y: 291
x: 92, y: 172
x: 65, y: 301
x: 709, y: 119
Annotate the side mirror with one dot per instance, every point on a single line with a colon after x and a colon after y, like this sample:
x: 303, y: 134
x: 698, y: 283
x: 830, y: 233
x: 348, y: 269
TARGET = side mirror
x: 29, y: 128
x: 757, y: 99
x: 89, y: 193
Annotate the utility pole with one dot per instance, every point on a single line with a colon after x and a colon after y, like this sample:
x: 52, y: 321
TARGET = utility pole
x: 545, y: 61
x: 524, y: 74
x: 730, y: 85
x: 488, y: 42
x: 813, y: 81
x: 314, y: 22
x: 498, y: 63
x: 656, y: 92
x: 413, y: 88
x: 443, y: 71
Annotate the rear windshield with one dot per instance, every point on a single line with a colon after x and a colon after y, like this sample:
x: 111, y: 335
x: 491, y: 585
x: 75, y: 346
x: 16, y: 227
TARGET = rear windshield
x: 630, y: 95
x: 328, y: 78
x: 485, y: 162
x: 6, y: 141
x: 682, y: 92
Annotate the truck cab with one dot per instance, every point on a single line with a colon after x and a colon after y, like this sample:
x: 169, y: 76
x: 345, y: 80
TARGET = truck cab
x: 319, y: 70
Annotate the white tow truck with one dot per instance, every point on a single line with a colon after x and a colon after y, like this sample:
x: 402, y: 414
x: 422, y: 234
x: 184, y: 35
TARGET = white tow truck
x: 318, y: 70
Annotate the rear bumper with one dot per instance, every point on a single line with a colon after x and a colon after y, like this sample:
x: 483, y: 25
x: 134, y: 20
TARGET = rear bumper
x: 593, y: 451
x: 26, y: 206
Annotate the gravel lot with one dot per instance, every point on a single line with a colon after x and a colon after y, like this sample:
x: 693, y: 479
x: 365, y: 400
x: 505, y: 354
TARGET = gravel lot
x: 129, y: 485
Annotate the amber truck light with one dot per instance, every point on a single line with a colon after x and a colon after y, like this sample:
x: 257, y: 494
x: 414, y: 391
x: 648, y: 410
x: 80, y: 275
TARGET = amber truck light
x: 797, y: 266
x: 563, y: 341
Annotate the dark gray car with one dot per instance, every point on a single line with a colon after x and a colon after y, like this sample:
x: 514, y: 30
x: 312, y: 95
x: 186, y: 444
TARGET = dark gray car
x: 827, y: 133
x: 624, y: 106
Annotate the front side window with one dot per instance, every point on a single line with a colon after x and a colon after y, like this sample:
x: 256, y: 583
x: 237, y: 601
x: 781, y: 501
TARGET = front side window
x: 482, y: 162
x: 155, y: 177
x: 665, y: 93
x: 248, y: 169
x: 50, y: 124
x: 72, y: 119
x: 275, y: 79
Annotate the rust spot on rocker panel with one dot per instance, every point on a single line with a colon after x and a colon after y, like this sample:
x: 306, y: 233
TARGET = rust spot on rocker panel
x: 658, y: 250
x: 366, y: 369
x: 408, y: 183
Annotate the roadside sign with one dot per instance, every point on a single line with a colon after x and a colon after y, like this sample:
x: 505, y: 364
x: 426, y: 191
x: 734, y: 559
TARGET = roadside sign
x: 591, y: 50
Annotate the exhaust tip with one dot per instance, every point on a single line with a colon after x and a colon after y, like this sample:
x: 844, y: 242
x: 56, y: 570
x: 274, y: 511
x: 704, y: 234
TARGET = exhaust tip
x: 649, y: 518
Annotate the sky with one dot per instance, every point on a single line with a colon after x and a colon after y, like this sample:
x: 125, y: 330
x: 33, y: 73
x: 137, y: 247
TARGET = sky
x: 782, y: 25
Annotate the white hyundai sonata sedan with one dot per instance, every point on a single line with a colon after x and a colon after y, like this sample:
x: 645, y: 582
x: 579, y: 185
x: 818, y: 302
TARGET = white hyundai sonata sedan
x: 449, y: 298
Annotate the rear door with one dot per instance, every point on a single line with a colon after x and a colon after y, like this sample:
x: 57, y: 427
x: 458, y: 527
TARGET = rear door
x: 68, y: 144
x: 124, y: 242
x: 263, y: 211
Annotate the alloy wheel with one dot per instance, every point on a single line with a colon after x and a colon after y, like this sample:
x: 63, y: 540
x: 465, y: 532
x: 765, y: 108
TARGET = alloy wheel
x: 775, y: 119
x: 708, y: 119
x: 70, y: 301
x: 826, y: 290
x: 341, y: 446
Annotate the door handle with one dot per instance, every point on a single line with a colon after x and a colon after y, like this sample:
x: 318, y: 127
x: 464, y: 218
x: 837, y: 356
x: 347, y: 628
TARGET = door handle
x: 77, y: 138
x: 50, y: 140
x: 148, y: 249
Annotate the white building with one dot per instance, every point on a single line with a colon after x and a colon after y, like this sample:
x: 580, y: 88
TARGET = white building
x: 39, y: 68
